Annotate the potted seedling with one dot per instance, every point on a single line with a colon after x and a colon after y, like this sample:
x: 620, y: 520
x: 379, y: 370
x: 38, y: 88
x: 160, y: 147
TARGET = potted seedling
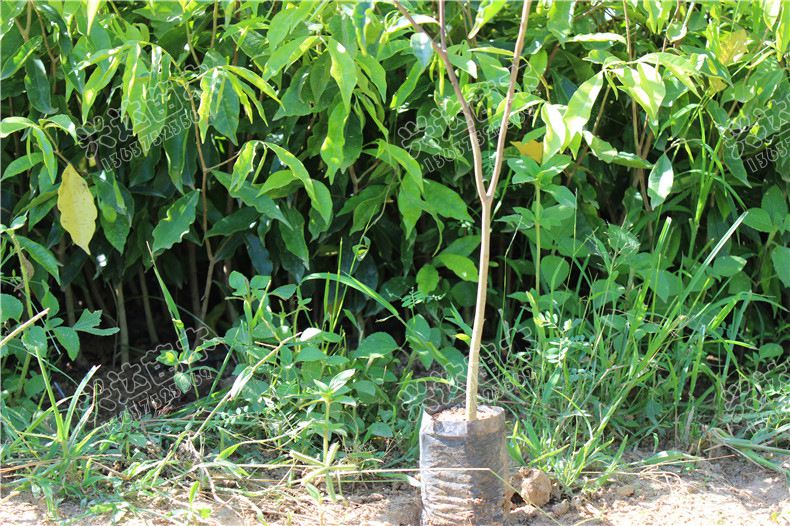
x: 463, y: 454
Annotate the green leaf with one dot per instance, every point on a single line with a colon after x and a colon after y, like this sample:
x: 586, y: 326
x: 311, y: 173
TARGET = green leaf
x: 462, y: 266
x: 608, y: 154
x: 244, y: 164
x: 578, y: 111
x: 48, y: 153
x: 21, y: 164
x: 316, y: 191
x: 176, y: 223
x: 10, y: 308
x: 380, y: 429
x: 38, y: 87
x: 92, y: 8
x: 40, y: 255
x: 69, y: 339
x: 89, y: 322
x: 332, y: 147
x: 376, y: 345
x: 18, y: 59
x: 645, y: 86
x: 780, y: 257
x: 445, y: 201
x: 407, y: 87
x: 728, y: 266
x: 660, y: 181
x: 487, y: 10
x: 343, y: 70
x: 100, y: 77
x: 422, y: 48
x: 410, y: 205
x: 293, y: 235
x: 182, y: 381
x: 556, y: 133
x: 219, y: 104
x: 774, y: 202
x: 427, y: 279
x: 239, y: 221
x: 759, y: 219
x: 560, y: 21
x: 396, y: 156
x: 250, y: 195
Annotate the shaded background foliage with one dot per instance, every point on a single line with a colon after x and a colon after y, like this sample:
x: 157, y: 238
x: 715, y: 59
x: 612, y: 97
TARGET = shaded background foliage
x: 291, y: 140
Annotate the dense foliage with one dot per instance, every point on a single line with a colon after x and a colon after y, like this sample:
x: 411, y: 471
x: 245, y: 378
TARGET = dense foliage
x: 296, y: 178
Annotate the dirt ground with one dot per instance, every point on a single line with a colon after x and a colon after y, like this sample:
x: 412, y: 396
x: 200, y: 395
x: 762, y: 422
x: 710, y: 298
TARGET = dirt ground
x: 728, y: 491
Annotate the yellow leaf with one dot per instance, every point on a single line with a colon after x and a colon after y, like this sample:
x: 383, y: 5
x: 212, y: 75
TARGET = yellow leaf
x: 531, y: 149
x: 77, y: 211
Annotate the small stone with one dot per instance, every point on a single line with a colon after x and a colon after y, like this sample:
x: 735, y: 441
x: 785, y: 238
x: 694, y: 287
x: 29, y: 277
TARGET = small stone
x: 561, y: 508
x: 535, y: 487
x: 625, y: 491
x: 577, y: 503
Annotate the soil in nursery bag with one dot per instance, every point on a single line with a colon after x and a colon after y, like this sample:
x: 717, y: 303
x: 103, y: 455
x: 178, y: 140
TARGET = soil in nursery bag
x: 463, y: 467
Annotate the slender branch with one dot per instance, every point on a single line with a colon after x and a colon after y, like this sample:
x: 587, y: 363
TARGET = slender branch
x: 11, y: 335
x: 500, y: 147
x: 477, y: 154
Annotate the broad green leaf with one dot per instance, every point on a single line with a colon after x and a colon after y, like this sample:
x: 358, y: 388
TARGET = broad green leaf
x: 10, y: 125
x: 780, y: 257
x: 69, y: 339
x: 219, y: 104
x: 93, y: 8
x: 293, y: 235
x: 660, y: 182
x: 40, y: 255
x: 48, y: 153
x: 645, y: 86
x: 608, y: 154
x: 759, y: 219
x: 397, y: 156
x: 376, y: 345
x: 422, y: 48
x: 462, y: 266
x: 783, y: 30
x: 556, y: 132
x: 10, y: 308
x: 343, y: 70
x: 380, y: 429
x: 410, y: 205
x: 77, y: 210
x: 487, y: 10
x: 100, y: 77
x: 578, y: 111
x: 239, y: 221
x: 89, y: 322
x: 560, y: 20
x: 18, y: 59
x: 407, y: 87
x: 244, y: 164
x: 319, y: 202
x: 21, y: 164
x: 728, y: 266
x: 774, y: 201
x: 176, y: 223
x: 116, y: 230
x: 445, y: 201
x: 332, y: 147
x: 427, y: 279
x: 38, y: 87
x: 250, y: 195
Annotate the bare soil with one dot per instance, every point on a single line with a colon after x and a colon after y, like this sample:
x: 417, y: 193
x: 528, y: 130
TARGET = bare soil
x: 728, y: 491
